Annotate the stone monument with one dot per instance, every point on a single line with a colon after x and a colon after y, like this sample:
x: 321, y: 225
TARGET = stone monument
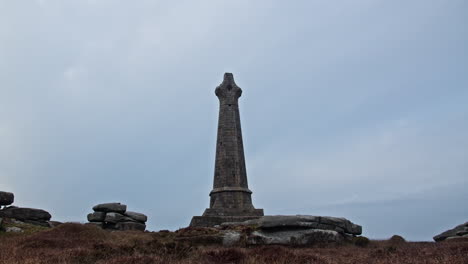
x: 230, y: 199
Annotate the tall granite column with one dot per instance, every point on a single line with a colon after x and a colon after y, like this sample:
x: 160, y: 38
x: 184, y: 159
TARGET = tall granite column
x: 230, y: 198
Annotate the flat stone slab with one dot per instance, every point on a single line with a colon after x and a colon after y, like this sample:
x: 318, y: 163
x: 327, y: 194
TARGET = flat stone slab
x: 115, y: 218
x: 6, y: 198
x: 37, y: 223
x: 23, y: 214
x: 137, y: 216
x: 211, y: 221
x: 288, y: 222
x: 110, y: 208
x: 96, y: 217
x: 241, y: 237
x: 294, y: 238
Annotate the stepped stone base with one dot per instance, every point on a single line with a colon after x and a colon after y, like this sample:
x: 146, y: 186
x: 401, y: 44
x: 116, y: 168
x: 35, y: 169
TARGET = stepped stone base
x: 210, y: 221
x: 232, y: 212
x: 216, y: 216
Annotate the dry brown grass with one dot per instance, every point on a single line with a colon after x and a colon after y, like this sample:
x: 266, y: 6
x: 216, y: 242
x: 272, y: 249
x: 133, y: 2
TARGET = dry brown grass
x: 74, y: 243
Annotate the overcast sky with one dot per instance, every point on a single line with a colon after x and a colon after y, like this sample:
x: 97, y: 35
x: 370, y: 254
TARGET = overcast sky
x: 357, y: 109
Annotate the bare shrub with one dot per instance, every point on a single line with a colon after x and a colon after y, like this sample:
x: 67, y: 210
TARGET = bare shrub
x: 361, y: 241
x: 396, y: 239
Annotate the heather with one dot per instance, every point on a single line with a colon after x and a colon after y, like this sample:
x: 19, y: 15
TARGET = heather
x: 77, y: 243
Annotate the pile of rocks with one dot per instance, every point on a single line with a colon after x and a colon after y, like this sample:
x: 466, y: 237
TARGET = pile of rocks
x: 299, y: 230
x: 459, y: 232
x: 114, y: 216
x: 25, y: 215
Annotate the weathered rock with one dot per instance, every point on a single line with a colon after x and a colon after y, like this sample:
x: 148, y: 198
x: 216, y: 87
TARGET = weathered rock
x: 287, y: 222
x: 137, y: 216
x: 96, y: 217
x: 25, y: 214
x: 6, y: 198
x: 124, y: 226
x: 456, y: 238
x: 295, y: 238
x: 296, y: 230
x: 38, y: 223
x: 231, y: 238
x: 14, y: 221
x: 451, y: 233
x: 110, y: 207
x: 252, y: 236
x: 13, y: 229
x: 109, y: 226
x: 115, y: 218
x: 213, y: 221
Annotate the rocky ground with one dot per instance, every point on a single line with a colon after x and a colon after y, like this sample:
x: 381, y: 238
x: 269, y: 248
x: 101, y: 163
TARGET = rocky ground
x: 77, y: 243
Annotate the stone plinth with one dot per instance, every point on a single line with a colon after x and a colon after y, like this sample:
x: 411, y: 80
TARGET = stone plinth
x: 209, y: 221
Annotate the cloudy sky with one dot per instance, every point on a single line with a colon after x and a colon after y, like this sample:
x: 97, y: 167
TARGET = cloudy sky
x: 350, y: 108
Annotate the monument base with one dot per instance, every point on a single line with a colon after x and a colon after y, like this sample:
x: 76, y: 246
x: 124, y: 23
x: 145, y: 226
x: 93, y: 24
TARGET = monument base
x: 212, y: 217
x: 210, y: 221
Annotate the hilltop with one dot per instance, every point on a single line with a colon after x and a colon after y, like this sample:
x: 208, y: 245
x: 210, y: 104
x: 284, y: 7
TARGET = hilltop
x: 78, y: 243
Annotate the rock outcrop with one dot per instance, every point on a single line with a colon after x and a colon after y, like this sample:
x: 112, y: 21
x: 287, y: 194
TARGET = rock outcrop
x: 299, y: 230
x: 288, y: 230
x: 458, y: 232
x: 294, y: 237
x: 6, y: 198
x: 13, y: 229
x: 114, y: 216
x: 26, y: 215
x: 286, y: 222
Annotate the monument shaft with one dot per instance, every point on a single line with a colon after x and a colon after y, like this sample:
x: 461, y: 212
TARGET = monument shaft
x: 230, y: 199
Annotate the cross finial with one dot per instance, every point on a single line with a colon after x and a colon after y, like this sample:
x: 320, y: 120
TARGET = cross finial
x: 228, y: 77
x: 228, y: 89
